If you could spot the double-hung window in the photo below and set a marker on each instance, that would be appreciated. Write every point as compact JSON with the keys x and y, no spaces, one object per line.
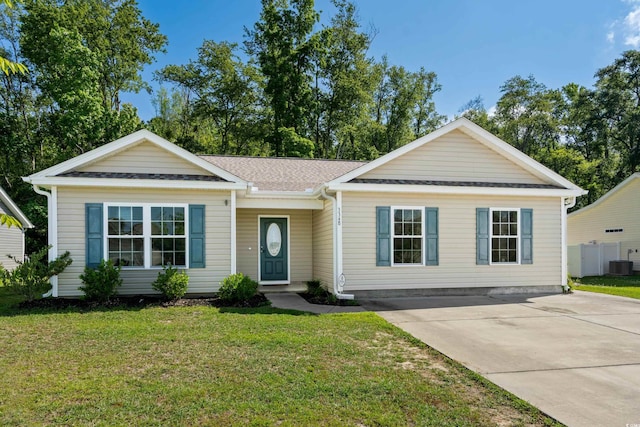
{"x":147,"y":235}
{"x":407,"y":235}
{"x":505,"y":236}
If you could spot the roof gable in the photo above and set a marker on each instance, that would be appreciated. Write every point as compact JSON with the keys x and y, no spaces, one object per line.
{"x":611,"y":197}
{"x":138,"y":146}
{"x":14,"y":210}
{"x":500,"y":151}
{"x":454,"y":156}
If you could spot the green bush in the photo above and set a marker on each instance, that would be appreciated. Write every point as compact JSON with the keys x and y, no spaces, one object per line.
{"x":30,"y":278}
{"x":315,"y":288}
{"x":171,"y":283}
{"x":102,"y":282}
{"x":237,"y":288}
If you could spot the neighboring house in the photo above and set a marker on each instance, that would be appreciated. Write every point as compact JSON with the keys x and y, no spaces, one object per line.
{"x":12,"y":238}
{"x":612,"y":223}
{"x":457,"y":210}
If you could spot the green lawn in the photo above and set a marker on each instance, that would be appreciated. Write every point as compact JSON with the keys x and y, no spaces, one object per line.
{"x":624,"y":286}
{"x":208,"y":366}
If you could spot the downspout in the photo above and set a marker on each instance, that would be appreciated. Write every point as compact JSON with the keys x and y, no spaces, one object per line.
{"x":567,"y":203}
{"x":52,"y":232}
{"x":338,"y":284}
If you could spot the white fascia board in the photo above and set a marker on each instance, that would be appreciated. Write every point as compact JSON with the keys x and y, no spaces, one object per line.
{"x":130,"y":140}
{"x":15,"y":210}
{"x":476,"y":132}
{"x":132,"y":183}
{"x":274,"y":203}
{"x":607,"y":195}
{"x":443,"y":189}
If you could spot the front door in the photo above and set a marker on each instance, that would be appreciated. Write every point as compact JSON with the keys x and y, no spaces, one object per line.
{"x":274,"y":253}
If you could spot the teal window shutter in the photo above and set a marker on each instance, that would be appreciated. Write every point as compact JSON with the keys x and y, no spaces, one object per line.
{"x":431,"y":235}
{"x":196,"y":236}
{"x":383,"y":236}
{"x":526,"y":236}
{"x":482,"y":236}
{"x":94,"y":231}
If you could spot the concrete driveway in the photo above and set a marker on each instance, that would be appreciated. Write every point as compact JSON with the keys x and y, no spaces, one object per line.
{"x":576,"y":357}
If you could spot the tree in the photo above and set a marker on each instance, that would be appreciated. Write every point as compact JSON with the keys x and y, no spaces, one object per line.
{"x":617,"y":96}
{"x":526,"y":114}
{"x":6,"y":65}
{"x":221,"y":94}
{"x":282,"y":43}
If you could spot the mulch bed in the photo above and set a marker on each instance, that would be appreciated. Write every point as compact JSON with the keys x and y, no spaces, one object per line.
{"x":140,"y":301}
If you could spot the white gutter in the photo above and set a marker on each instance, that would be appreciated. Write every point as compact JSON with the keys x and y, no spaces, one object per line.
{"x":338,"y":284}
{"x":567,"y":203}
{"x":52,"y":214}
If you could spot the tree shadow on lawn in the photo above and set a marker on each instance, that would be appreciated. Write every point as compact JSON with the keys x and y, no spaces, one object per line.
{"x":12,"y":306}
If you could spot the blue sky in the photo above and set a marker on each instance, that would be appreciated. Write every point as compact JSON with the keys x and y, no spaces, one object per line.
{"x":473,"y":46}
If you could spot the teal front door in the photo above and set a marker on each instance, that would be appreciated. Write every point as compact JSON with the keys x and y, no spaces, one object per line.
{"x":274,"y":253}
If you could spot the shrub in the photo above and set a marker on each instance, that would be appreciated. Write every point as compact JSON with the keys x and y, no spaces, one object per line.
{"x":30,"y":278}
{"x":102,"y":282}
{"x":315,"y":288}
{"x":237,"y":288}
{"x":171,"y":283}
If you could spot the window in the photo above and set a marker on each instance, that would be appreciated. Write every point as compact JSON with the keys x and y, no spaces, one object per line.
{"x":168,"y":241}
{"x":146,"y":236}
{"x":504,"y":236}
{"x":125,"y":235}
{"x":407,"y":236}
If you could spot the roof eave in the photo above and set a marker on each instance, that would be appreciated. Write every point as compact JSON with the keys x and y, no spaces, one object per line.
{"x":445,"y":189}
{"x":48,"y":182}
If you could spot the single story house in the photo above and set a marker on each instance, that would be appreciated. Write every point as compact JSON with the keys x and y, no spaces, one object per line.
{"x":12,"y":238}
{"x":456,"y":211}
{"x":612,"y":221}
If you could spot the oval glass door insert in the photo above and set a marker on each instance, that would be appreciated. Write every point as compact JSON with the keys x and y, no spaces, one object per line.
{"x":274,"y":239}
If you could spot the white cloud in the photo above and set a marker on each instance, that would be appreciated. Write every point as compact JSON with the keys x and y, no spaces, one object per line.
{"x":611,"y":37}
{"x":492,"y":110}
{"x":631,"y":27}
{"x":627,"y":28}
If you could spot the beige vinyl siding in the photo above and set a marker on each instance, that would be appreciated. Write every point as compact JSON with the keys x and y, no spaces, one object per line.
{"x":454,"y":156}
{"x":323,"y":244}
{"x":620,"y":210}
{"x":457,"y":244}
{"x":144,"y":158}
{"x":71,"y":235}
{"x":300,"y":238}
{"x":11,"y":242}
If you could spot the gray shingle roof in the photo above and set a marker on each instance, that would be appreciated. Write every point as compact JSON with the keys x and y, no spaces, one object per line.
{"x":283,"y":174}
{"x":127,"y":175}
{"x":453,"y":183}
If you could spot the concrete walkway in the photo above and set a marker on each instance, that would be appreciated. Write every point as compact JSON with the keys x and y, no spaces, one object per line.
{"x":293,"y":301}
{"x":576,"y":357}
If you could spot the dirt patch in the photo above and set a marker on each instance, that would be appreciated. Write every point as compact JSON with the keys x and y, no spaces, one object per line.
{"x":140,"y":301}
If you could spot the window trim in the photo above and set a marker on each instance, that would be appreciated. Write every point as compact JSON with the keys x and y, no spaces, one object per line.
{"x":518,"y":237}
{"x":392,"y":235}
{"x":146,"y":232}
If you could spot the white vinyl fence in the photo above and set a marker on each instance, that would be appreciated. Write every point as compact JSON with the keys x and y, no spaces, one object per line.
{"x":592,"y":259}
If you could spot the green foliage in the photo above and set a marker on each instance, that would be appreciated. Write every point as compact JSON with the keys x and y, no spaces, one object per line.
{"x":171,"y":283}
{"x":237,"y":288}
{"x":30,"y":278}
{"x":314,"y":287}
{"x":9,"y":221}
{"x":102,"y":282}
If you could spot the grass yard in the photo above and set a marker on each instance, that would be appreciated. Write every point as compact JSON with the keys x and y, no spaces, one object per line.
{"x":209,"y":366}
{"x":624,"y":286}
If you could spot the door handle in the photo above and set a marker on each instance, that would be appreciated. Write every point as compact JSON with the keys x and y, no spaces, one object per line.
{"x":261,"y":249}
